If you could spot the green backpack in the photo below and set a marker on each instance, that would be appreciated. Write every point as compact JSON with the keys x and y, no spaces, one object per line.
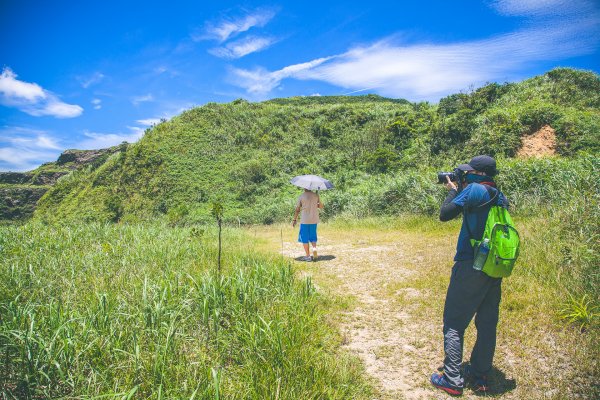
{"x":503,"y":240}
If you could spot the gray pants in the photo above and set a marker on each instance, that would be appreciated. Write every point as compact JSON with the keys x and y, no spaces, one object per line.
{"x":470,"y":293}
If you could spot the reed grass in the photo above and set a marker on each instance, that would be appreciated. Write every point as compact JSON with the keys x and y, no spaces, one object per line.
{"x":117,"y":311}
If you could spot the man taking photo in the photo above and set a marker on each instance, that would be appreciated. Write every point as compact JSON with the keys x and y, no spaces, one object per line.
{"x":471,"y":292}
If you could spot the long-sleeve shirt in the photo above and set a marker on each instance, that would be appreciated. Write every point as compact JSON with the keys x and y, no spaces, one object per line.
{"x":474,"y":203}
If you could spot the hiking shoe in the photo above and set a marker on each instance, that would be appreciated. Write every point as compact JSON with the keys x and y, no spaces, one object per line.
{"x":476,"y":383}
{"x":314,"y":254}
{"x":438,"y":379}
{"x":306,"y":258}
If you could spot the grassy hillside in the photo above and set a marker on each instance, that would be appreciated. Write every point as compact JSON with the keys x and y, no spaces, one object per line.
{"x":245,"y":153}
{"x":382,"y":154}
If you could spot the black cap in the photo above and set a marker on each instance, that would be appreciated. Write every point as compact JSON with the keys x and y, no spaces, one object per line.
{"x":485,"y":164}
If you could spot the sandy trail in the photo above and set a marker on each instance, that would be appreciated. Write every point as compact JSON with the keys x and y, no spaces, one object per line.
{"x":385,"y":327}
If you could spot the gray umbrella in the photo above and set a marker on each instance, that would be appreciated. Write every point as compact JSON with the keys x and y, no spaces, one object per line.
{"x":311,"y":182}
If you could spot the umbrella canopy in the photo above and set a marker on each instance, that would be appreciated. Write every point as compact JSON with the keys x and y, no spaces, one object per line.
{"x":311,"y":182}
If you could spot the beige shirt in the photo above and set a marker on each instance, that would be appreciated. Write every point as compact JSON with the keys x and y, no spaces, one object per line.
{"x":308,"y":203}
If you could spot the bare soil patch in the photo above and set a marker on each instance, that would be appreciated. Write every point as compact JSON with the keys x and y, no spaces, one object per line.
{"x":538,"y":144}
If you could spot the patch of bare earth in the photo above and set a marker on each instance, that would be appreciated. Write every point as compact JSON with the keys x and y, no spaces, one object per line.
{"x":385,"y":334}
{"x":538,"y":144}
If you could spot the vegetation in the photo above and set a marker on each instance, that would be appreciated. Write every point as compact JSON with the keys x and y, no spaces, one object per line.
{"x":120,"y":311}
{"x":20,"y":191}
{"x":579,"y":311}
{"x":18,"y":201}
{"x":245,"y":153}
{"x":88,"y":307}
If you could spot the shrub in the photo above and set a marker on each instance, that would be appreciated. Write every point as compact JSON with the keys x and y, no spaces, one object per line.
{"x":578,"y":131}
{"x":381,"y":161}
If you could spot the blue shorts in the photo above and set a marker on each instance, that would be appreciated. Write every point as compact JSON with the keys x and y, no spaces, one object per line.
{"x":308,"y":233}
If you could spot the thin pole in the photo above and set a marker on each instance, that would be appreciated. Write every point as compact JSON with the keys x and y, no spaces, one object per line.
{"x":219,"y":257}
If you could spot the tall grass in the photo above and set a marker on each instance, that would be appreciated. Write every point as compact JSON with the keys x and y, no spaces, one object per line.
{"x":116,"y":311}
{"x":531,"y":184}
{"x":561,"y":194}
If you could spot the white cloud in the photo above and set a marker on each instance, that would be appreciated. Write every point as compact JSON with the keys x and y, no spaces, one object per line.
{"x":97,"y":104}
{"x":39,"y":142}
{"x":93,"y":79}
{"x":164,"y":70}
{"x":243,"y":47}
{"x":226,"y":28}
{"x":56,"y":108}
{"x":431,"y":71}
{"x":260,"y":81}
{"x":142,"y":99}
{"x":136,"y":131}
{"x":24,"y":149}
{"x":17,"y":90}
{"x":95,"y":140}
{"x":32,"y":98}
{"x":149,"y":121}
{"x":18,"y":160}
{"x":358,"y":91}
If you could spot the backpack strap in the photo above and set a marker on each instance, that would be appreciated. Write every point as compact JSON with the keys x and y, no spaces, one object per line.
{"x":492,"y":198}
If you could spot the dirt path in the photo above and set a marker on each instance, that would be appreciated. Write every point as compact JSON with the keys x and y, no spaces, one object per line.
{"x":396,"y":281}
{"x":388,"y":326}
{"x":381,"y":331}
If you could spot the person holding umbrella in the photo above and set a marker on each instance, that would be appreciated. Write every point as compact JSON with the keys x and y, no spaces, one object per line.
{"x":309,"y":203}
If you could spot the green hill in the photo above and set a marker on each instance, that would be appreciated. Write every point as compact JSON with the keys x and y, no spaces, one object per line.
{"x":245,"y":153}
{"x":128,"y":309}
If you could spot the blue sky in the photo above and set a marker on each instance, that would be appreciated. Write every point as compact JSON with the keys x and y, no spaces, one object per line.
{"x":91,"y":74}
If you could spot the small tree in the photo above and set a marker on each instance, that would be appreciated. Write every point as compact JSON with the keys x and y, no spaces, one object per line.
{"x":217,"y":212}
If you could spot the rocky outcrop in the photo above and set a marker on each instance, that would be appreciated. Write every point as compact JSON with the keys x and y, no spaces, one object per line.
{"x":73,"y":159}
{"x":20,"y":191}
{"x":47,"y":177}
{"x":42,"y":178}
{"x":15,"y":178}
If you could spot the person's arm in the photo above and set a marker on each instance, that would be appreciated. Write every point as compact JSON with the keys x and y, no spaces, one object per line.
{"x":449,"y":209}
{"x":296,"y":212}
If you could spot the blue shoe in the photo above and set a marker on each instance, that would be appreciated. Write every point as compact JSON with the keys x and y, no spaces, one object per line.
{"x":438,"y":379}
{"x":477,"y":383}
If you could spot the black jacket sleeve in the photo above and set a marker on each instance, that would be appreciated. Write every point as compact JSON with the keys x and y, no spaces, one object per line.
{"x":449,"y":210}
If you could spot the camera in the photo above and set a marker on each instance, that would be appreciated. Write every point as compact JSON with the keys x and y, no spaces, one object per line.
{"x":442,"y":177}
{"x":455,"y":176}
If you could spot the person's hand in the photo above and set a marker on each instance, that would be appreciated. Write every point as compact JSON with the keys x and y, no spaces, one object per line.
{"x":293,"y":223}
{"x":449,"y":184}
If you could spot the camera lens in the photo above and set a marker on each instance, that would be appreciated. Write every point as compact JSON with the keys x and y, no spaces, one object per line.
{"x":442,"y":176}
